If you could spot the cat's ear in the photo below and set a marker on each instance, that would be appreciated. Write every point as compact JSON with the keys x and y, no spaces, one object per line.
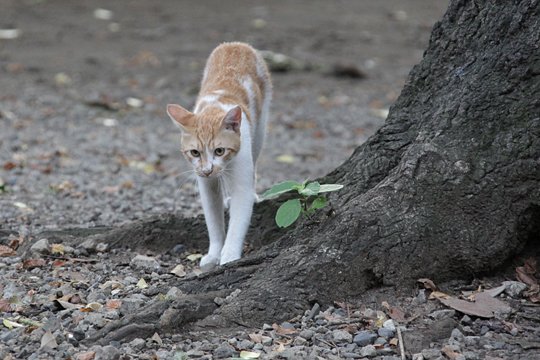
{"x":180,"y":116}
{"x":232,"y":120}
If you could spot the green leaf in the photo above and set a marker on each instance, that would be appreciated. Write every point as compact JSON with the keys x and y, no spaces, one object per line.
{"x":329,"y":187}
{"x":317,"y":204}
{"x":310,"y":189}
{"x":288,"y":212}
{"x":280,"y":188}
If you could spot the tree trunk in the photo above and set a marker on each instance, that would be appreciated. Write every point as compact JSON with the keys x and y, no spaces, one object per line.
{"x":449,"y":187}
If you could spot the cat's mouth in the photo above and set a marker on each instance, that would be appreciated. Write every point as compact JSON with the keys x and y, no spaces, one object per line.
{"x":209,"y":173}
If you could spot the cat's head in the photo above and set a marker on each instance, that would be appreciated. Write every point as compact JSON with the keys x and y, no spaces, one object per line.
{"x":210,"y":139}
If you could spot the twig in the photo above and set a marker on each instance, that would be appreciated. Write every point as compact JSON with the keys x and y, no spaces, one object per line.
{"x":401,"y":345}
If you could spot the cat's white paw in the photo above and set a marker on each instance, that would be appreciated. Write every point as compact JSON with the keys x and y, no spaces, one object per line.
{"x":227,"y":257}
{"x":227,"y":202}
{"x":208,"y":262}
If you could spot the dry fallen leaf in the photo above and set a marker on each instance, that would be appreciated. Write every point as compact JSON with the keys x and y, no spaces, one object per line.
{"x":286,"y":159}
{"x":438,"y":295}
{"x":394,"y":312}
{"x":113,"y":284}
{"x":256,"y":338}
{"x":280,"y":330}
{"x":450,"y":353}
{"x":11,"y":324}
{"x":95,"y":306}
{"x":6,"y":251}
{"x":179,"y":270}
{"x":30,"y":264}
{"x":157,"y":339}
{"x":5,"y":305}
{"x":194,"y":257}
{"x":428,"y":284}
{"x":48,"y":340}
{"x":526,"y":273}
{"x":57,"y":249}
{"x":484,"y":305}
{"x":113,"y":304}
{"x":66,"y":305}
{"x":88,"y":355}
{"x":142,"y":284}
{"x":249,"y":354}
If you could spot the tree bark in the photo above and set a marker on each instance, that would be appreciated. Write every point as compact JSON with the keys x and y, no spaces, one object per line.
{"x":448,"y":188}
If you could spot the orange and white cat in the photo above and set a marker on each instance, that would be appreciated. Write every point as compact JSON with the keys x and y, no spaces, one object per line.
{"x":222,"y":138}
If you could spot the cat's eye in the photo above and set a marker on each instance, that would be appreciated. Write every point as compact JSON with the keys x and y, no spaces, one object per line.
{"x":219,"y":151}
{"x":195,"y":153}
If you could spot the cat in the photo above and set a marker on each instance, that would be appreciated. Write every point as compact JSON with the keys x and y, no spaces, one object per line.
{"x":222,"y":138}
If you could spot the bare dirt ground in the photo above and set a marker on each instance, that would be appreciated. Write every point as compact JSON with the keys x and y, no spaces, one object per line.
{"x":85,"y":142}
{"x":77,"y":153}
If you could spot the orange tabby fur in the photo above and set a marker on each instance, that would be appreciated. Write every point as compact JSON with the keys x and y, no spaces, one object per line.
{"x":222,"y":83}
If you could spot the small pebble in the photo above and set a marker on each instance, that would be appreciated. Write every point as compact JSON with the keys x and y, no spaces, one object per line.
{"x":364,"y":337}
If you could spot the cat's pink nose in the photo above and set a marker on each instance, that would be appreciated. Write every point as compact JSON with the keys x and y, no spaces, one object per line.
{"x":207,"y":172}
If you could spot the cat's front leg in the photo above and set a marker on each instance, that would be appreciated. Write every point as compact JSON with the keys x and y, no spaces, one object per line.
{"x":241,"y":207}
{"x":212,"y":202}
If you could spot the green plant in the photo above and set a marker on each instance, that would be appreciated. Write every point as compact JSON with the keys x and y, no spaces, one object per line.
{"x":308,"y":201}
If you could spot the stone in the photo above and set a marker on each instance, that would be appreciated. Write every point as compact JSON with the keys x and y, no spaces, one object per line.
{"x":266,"y":340}
{"x":89,"y":245}
{"x":389,"y":324}
{"x":368,"y":351}
{"x":195,"y":353}
{"x":40,"y":247}
{"x":106,"y":352}
{"x":386,"y":333}
{"x":431,"y":354}
{"x":457,"y":335}
{"x":174,"y":293}
{"x":314,"y":311}
{"x":137,"y":344}
{"x":380,"y":341}
{"x":484,"y":330}
{"x":146,"y":263}
{"x":224,"y":351}
{"x":96,"y":319}
{"x":102,"y":247}
{"x":307,"y":334}
{"x":341,"y":336}
{"x":245,"y":345}
{"x":442,"y":314}
{"x":420,"y":298}
{"x":364,"y":338}
{"x":471,"y":340}
{"x":471,"y":355}
{"x":287,"y":325}
{"x":132,"y":303}
{"x":12,"y":290}
{"x":514,"y":289}
{"x":466,"y":320}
